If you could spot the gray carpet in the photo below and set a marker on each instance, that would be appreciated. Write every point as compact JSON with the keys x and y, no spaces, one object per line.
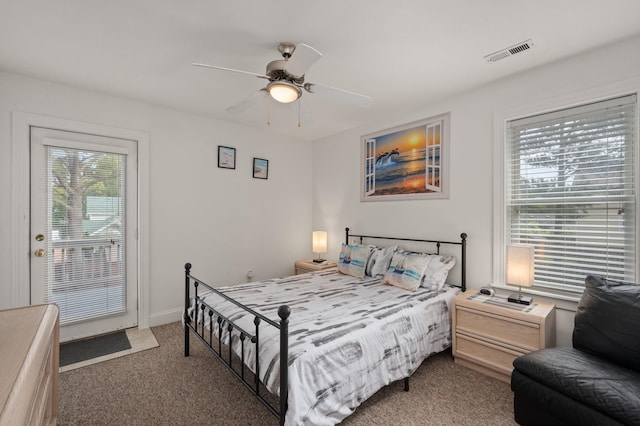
{"x":162,"y":387}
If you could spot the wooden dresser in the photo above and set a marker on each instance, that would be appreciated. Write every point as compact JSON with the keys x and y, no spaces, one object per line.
{"x":29,"y":350}
{"x":489,"y":333}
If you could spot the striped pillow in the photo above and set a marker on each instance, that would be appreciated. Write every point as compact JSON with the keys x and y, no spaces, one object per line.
{"x":380,"y":260}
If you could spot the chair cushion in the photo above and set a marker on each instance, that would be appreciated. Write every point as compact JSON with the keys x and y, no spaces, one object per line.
{"x":607,"y":321}
{"x":596,"y":383}
{"x":535,"y":404}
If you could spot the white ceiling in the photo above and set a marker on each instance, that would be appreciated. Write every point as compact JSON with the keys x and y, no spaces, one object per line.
{"x":403,"y":53}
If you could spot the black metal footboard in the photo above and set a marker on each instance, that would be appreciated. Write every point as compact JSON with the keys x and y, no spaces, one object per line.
{"x":213,"y":339}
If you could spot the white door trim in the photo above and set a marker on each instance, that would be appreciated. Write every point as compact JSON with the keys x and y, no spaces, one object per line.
{"x":20,"y":141}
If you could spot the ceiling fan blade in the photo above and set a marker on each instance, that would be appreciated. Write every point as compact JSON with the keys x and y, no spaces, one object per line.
{"x":229,"y":69}
{"x":247,"y":102}
{"x":302,"y":59}
{"x":341,"y":95}
{"x":305,"y":118}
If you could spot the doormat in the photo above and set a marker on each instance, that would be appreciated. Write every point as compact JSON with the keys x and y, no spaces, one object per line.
{"x":82,"y":350}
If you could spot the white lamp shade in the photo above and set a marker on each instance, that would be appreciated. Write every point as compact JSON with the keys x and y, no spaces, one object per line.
{"x":319,"y":241}
{"x":520,"y":269}
{"x":283,"y":91}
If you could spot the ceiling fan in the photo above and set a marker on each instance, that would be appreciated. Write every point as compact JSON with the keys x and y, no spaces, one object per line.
{"x":286,"y":79}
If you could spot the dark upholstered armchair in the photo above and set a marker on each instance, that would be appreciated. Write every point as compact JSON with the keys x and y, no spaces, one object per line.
{"x":597,"y":381}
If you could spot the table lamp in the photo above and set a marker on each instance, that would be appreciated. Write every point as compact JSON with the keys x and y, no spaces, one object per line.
{"x":520,"y":270}
{"x":319,"y":244}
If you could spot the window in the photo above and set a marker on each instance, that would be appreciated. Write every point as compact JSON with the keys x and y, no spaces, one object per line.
{"x":370,"y":167}
{"x":434,"y":145}
{"x":570,"y":192}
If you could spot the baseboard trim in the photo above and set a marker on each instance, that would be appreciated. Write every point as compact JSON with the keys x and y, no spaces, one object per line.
{"x":166,"y":317}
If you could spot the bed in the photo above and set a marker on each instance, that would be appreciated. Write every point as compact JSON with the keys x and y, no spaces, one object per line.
{"x":343,"y":337}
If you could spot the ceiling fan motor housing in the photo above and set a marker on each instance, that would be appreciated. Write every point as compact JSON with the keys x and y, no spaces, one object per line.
{"x":286,"y":49}
{"x":275,"y":71}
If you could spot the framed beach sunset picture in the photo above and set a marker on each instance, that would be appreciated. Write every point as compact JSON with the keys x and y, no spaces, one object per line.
{"x":407,"y":162}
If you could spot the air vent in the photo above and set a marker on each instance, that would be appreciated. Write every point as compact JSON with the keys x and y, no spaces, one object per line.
{"x":510,"y":51}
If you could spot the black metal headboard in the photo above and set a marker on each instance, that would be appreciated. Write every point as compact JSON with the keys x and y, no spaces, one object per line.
{"x":462,"y":243}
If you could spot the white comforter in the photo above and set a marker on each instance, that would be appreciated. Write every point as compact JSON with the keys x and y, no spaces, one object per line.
{"x":348,"y":337}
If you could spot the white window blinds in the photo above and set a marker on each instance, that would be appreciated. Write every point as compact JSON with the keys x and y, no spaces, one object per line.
{"x":571,"y":192}
{"x":85,"y":259}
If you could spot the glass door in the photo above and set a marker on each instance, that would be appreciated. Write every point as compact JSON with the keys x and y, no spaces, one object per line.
{"x":83,"y":215}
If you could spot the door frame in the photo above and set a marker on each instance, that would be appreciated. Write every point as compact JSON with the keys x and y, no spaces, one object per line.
{"x":20,"y":201}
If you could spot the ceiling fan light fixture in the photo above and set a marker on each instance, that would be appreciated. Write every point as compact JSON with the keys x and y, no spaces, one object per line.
{"x":283,"y":91}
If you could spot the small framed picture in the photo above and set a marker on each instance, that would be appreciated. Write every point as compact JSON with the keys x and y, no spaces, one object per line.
{"x":226,"y":157}
{"x":260,"y":168}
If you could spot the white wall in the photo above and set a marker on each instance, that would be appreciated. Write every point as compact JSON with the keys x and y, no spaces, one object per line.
{"x":222,"y":221}
{"x":225,"y":223}
{"x":336,"y":194}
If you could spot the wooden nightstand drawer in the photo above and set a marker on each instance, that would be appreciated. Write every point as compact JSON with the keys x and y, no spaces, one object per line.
{"x":518,"y":333}
{"x":498,"y":357}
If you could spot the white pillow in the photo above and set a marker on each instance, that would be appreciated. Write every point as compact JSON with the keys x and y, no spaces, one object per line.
{"x":353,"y":259}
{"x":380,"y":260}
{"x":436,"y":272}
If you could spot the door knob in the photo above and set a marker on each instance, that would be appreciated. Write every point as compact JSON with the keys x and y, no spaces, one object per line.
{"x":39,"y":252}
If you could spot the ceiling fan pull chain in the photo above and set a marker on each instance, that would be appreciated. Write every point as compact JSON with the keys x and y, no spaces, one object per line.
{"x":299,"y":102}
{"x":268,"y":114}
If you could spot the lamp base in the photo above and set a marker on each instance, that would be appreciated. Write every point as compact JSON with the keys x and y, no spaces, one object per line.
{"x":523,"y":300}
{"x":318,"y":260}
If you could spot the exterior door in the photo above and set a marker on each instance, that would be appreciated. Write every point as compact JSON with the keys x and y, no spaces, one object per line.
{"x":83,"y":230}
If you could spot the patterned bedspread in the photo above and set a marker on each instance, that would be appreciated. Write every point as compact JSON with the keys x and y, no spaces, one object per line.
{"x":348,"y":337}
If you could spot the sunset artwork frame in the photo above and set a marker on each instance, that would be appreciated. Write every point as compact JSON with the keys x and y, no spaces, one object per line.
{"x":407,"y":162}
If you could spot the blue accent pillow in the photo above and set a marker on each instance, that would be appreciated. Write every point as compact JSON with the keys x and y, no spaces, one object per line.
{"x":353,"y":259}
{"x":407,"y":270}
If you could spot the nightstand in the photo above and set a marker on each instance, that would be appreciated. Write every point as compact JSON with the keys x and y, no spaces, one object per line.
{"x":489,"y":332}
{"x":304,"y":266}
